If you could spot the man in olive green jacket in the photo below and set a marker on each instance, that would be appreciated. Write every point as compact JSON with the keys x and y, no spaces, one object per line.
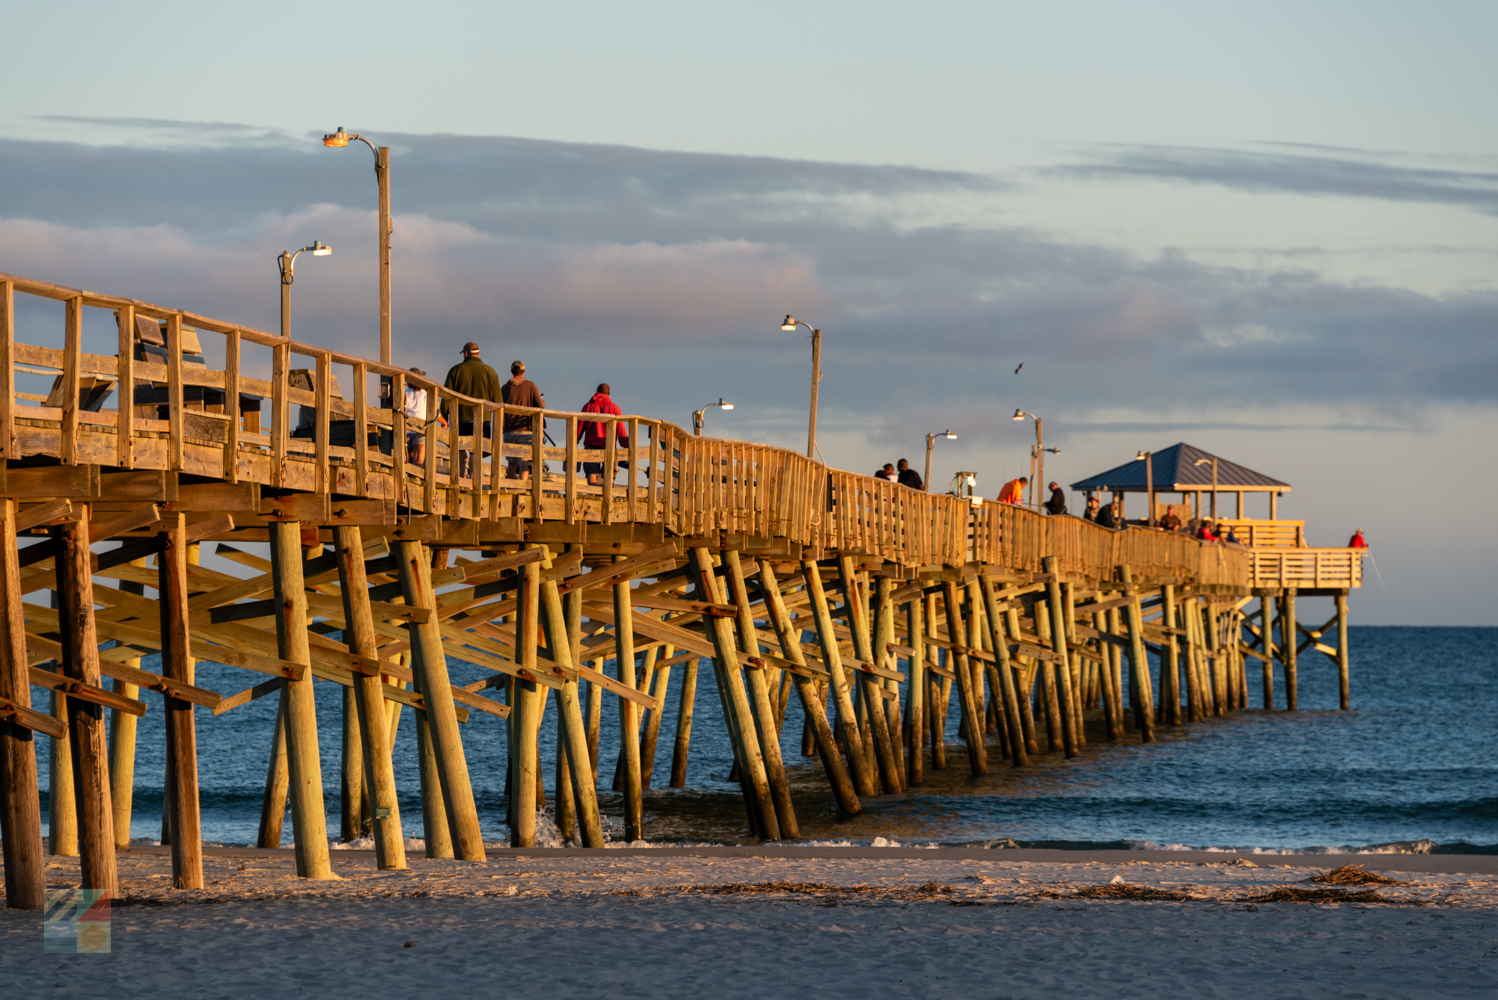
{"x":474,"y":379}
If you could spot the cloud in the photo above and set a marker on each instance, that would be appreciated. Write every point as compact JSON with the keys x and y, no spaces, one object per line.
{"x":669,"y":271}
{"x":1365,"y":175}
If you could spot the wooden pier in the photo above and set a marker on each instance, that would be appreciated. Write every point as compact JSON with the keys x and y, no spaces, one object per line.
{"x":874,"y":603}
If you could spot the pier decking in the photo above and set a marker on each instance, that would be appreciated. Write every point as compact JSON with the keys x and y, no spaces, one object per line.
{"x":781,"y":573}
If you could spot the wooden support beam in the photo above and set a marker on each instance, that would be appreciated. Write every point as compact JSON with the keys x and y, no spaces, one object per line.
{"x":857,"y":606}
{"x":1344,"y":663}
{"x":1139,"y":667}
{"x":864,"y":778}
{"x":1289,"y":649}
{"x":86,"y":736}
{"x":429,"y":662}
{"x":572,"y":730}
{"x":20,"y":800}
{"x":1008,"y":689}
{"x":374,"y":745}
{"x":298,"y":709}
{"x":1070,"y":704}
{"x":624,"y":660}
{"x":977,"y":752}
{"x":181,"y":736}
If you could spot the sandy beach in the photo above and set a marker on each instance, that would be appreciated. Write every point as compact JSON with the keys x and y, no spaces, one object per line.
{"x":834,"y":922}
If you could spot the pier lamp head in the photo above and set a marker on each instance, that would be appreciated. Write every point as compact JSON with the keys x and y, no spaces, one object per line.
{"x":318,"y":249}
{"x":1141,"y":456}
{"x":789,"y":323}
{"x":1019,"y":414}
{"x":949,"y":435}
{"x":726,"y":405}
{"x":337,"y":139}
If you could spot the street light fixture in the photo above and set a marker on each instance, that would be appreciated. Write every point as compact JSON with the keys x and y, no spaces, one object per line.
{"x":1037,"y":455}
{"x":287,"y":263}
{"x":789,"y":325}
{"x":338,"y":140}
{"x":930,"y":444}
{"x":1148,"y":458}
{"x":1213,"y":460}
{"x":698,"y":414}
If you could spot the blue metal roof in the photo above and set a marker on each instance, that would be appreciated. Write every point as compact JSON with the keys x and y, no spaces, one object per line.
{"x":1175,"y":469}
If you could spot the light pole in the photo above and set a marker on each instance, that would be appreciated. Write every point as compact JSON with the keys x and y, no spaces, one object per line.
{"x":789,"y":324}
{"x":382,"y":179}
{"x":1148,"y":458}
{"x":287,"y":262}
{"x":930,"y":444}
{"x":1038,"y":454}
{"x":1213,"y":460}
{"x":698,"y":414}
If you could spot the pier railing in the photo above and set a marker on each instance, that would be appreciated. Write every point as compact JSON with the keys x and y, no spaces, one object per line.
{"x":173,"y":412}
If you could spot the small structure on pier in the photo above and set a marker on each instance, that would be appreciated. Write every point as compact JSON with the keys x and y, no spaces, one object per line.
{"x":1191,"y":472}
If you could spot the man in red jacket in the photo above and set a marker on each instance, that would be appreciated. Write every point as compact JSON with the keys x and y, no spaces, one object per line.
{"x":593,"y":433}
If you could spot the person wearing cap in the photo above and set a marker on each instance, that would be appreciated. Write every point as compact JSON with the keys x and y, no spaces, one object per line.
{"x":520,"y":391}
{"x":474,"y":379}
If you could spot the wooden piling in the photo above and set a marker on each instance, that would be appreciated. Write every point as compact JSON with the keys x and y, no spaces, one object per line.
{"x":1139,"y":664}
{"x":1292,"y":648}
{"x":20,"y":797}
{"x":1071,"y":714}
{"x":571,"y":729}
{"x":629,"y":712}
{"x":1344,"y":690}
{"x":1170,"y":660}
{"x":369,"y":703}
{"x":759,"y":701}
{"x":1267,"y":646}
{"x":1049,"y":688}
{"x":181,"y":734}
{"x":686,"y":702}
{"x":915,"y":631}
{"x":429,"y":662}
{"x":62,"y":807}
{"x":977,"y":751}
{"x":86,"y":736}
{"x":525,"y":713}
{"x":277,"y":777}
{"x":873,"y":701}
{"x":845,"y":719}
{"x":308,"y":819}
{"x":1008,"y":691}
{"x":122,"y":733}
{"x":736,"y":702}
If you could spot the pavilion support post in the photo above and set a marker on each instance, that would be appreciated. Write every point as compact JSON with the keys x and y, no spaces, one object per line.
{"x":20,"y":797}
{"x":308,"y":819}
{"x":1008,"y":690}
{"x":629,"y":712}
{"x":378,"y":768}
{"x":1292,"y":647}
{"x":759,"y":702}
{"x":86,"y":736}
{"x":1344,"y":658}
{"x":864,"y":779}
{"x":977,"y":750}
{"x":181,"y":737}
{"x":429,"y":663}
{"x":915,"y":705}
{"x":1139,"y":664}
{"x":736,"y":703}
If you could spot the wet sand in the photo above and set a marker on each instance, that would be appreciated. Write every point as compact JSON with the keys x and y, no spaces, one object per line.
{"x":765,"y":921}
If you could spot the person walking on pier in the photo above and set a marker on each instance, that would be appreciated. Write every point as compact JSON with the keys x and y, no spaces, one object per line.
{"x":1014,"y":490}
{"x":477,"y":380}
{"x":593,"y":433}
{"x":910,"y":477}
{"x":1056,"y":505}
{"x":520,"y":391}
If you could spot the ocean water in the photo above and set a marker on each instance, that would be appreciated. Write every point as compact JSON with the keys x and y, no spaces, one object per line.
{"x":1413,"y":767}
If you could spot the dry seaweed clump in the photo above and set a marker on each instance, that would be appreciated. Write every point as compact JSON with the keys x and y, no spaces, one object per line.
{"x":1118,"y":890}
{"x":1354,"y":875}
{"x":822,"y":890}
{"x":1294,"y":894}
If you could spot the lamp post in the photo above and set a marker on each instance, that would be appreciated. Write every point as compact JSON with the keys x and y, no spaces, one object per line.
{"x":1148,"y":458}
{"x":930,"y":444}
{"x":287,"y":262}
{"x":1037,"y":455}
{"x":1213,"y":460}
{"x":698,"y":414}
{"x":382,"y":179}
{"x":789,"y":324}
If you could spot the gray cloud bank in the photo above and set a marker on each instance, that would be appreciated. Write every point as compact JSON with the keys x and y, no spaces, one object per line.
{"x":670,"y":271}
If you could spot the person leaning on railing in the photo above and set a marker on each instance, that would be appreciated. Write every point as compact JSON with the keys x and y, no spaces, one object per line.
{"x":521,"y":391}
{"x":417,"y":413}
{"x":594,"y":433}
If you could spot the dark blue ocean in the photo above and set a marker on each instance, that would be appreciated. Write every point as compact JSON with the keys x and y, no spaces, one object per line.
{"x":1413,"y":767}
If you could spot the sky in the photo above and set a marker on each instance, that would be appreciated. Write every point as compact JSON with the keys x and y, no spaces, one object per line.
{"x":1268,"y":230}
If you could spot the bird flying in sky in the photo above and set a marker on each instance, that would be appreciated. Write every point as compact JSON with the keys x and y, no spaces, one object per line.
{"x":1021,"y":365}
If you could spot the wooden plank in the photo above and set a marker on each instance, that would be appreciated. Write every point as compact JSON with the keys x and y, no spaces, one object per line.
{"x":45,"y":513}
{"x":618,"y":572}
{"x":279,"y":414}
{"x":200,"y":530}
{"x":324,"y":389}
{"x":35,"y":721}
{"x":135,"y":520}
{"x":231,"y":407}
{"x":52,"y":481}
{"x":175,"y":415}
{"x":361,"y":430}
{"x":72,"y":355}
{"x":248,"y":695}
{"x":124,"y":420}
